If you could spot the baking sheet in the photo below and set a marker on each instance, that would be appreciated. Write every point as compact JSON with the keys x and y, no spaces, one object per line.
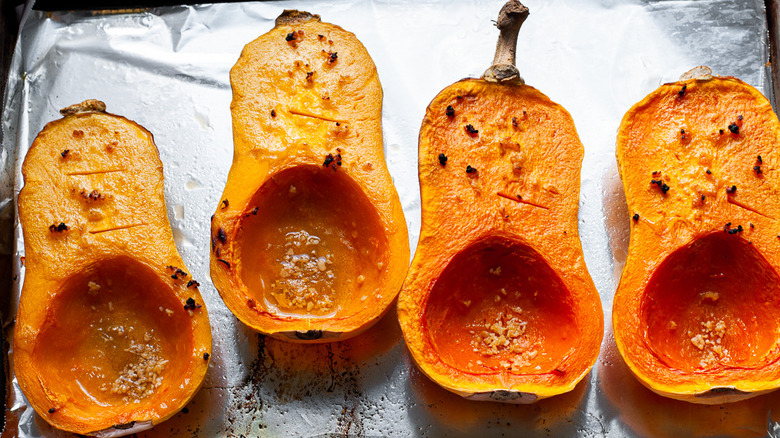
{"x":167,"y":69}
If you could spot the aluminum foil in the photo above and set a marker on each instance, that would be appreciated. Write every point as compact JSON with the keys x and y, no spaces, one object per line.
{"x":167,"y":69}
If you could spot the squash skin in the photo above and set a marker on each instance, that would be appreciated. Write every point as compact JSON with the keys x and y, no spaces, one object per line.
{"x":687,"y":227}
{"x":121,"y":233}
{"x":471,"y":213}
{"x":303,"y":92}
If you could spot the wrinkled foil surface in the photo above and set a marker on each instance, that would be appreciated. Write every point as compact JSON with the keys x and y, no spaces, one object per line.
{"x":167,"y":69}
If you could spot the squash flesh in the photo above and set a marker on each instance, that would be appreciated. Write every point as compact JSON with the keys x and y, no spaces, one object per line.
{"x":306,"y":96}
{"x":703,"y":138}
{"x":92,"y":210}
{"x":522,"y":199}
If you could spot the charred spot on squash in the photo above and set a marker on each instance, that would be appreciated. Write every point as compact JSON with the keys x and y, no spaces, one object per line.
{"x":92,"y":196}
{"x":293,"y":37}
{"x":713,"y":304}
{"x":309,"y":335}
{"x":661,"y":185}
{"x":58,"y":228}
{"x":504,"y":396}
{"x":499,"y":307}
{"x":178,"y":273}
{"x":316,"y":244}
{"x":125,"y":426}
{"x":105,"y":340}
{"x":190,"y":304}
{"x":720,"y":392}
{"x":333,"y":160}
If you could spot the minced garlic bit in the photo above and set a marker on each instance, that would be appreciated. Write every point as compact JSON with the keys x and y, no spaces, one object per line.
{"x":93,"y":288}
{"x":711,"y":296}
{"x":306,"y":279}
{"x":495,"y":271}
{"x":141,"y":378}
{"x":709,"y":341}
{"x":119,"y":329}
{"x":506,"y":334}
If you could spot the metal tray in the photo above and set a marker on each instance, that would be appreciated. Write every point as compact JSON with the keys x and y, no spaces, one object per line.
{"x":167,"y":69}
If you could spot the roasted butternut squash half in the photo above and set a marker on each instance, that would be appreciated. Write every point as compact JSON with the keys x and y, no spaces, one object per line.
{"x":498,"y":303}
{"x":309,"y":241}
{"x":696,"y":315}
{"x":111,"y":336}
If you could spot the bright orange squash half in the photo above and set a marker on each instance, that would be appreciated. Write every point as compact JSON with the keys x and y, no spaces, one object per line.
{"x":498,"y":303}
{"x":309,"y":241}
{"x":696,"y":315}
{"x":112,"y":336}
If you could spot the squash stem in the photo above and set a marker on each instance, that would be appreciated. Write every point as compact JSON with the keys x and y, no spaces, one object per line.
{"x":88,"y":106}
{"x":511,"y":17}
{"x":292,"y":17}
{"x":701,"y":72}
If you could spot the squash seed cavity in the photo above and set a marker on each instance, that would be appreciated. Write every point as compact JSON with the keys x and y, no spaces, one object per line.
{"x":505,"y":335}
{"x":306,"y":279}
{"x":709,"y":341}
{"x":139,"y":379}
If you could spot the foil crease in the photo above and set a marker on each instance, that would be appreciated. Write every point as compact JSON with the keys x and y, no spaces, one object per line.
{"x":167,"y":69}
